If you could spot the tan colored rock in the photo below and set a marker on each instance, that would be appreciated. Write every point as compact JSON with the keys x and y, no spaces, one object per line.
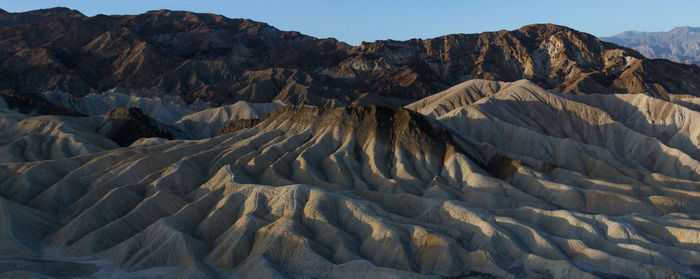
{"x":523,"y":183}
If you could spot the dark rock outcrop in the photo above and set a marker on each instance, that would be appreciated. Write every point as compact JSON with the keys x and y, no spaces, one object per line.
{"x":224,"y":60}
{"x":237,"y":126}
{"x":29,"y":104}
{"x":126,"y":125}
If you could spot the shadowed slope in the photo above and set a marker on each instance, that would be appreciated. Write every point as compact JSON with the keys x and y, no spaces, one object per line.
{"x":376,"y":192}
{"x":25,"y":138}
{"x":184,"y":121}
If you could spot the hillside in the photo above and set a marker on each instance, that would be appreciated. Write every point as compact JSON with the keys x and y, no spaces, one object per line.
{"x":182,"y":145}
{"x":220,"y":60}
{"x":522,"y":183}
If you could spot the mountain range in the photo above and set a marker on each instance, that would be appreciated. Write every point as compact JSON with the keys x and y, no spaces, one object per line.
{"x":680,"y":44}
{"x":176,"y":144}
{"x":219,"y":60}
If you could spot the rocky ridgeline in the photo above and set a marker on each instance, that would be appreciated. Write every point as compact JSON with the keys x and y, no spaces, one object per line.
{"x":220,"y":60}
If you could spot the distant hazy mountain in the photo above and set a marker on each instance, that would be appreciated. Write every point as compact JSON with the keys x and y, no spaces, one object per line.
{"x":681,"y":44}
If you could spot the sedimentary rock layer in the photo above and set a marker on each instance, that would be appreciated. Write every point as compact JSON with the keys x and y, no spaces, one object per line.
{"x":219,"y":60}
{"x":523,"y":182}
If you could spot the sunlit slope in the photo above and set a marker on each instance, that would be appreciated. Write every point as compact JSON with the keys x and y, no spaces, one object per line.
{"x":522,"y":183}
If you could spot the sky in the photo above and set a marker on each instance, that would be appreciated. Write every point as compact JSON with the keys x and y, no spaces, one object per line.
{"x":363,"y":20}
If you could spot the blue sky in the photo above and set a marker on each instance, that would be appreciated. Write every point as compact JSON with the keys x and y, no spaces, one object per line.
{"x":361,"y":20}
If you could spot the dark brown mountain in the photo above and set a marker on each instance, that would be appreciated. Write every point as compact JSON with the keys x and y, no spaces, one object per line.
{"x":10,"y":19}
{"x":224,"y":60}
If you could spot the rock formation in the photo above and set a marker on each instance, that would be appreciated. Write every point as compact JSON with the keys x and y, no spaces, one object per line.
{"x":523,"y":182}
{"x":183,"y":121}
{"x":220,"y":60}
{"x":26,"y":138}
{"x":127,"y":125}
{"x":175,"y":144}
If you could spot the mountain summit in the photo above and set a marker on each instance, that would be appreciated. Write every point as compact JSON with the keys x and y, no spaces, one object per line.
{"x":221,"y":60}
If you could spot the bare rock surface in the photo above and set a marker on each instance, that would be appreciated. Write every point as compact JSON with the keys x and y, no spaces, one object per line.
{"x":522,"y":183}
{"x":26,"y":138}
{"x":456,"y":96}
{"x":196,"y":120}
{"x":222,"y":61}
{"x":208,"y":122}
{"x":127,"y":125}
{"x":545,"y":153}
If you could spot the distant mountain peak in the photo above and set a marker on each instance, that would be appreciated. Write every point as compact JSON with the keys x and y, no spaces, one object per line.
{"x":685,"y":29}
{"x":680,"y":44}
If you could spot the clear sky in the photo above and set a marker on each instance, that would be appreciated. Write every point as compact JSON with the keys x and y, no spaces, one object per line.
{"x":354,"y":21}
